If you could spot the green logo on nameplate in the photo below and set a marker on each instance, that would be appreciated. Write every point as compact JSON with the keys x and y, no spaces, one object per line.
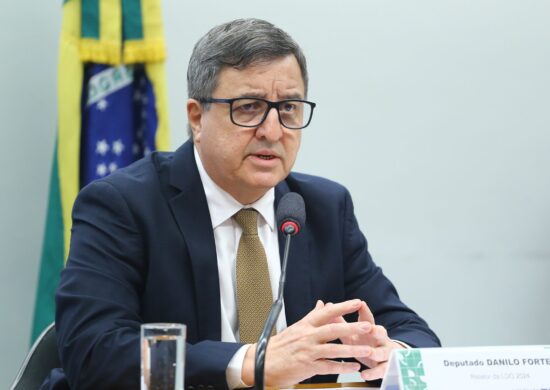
{"x":412,"y":370}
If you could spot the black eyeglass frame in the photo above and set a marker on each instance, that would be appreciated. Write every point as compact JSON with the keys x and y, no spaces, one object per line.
{"x":270,"y":105}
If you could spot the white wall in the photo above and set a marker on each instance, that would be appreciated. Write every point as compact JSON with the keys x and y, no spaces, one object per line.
{"x":28,"y":72}
{"x":434,"y":114}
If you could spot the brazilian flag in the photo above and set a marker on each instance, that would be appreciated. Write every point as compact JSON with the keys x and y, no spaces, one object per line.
{"x":112,"y":110}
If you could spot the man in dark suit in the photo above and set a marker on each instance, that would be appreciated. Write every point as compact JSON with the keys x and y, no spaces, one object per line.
{"x":160,"y":241}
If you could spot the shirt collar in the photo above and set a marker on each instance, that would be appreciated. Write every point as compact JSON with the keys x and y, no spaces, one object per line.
{"x":223,"y":206}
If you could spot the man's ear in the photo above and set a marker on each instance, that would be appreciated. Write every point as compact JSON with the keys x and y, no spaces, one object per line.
{"x":194,"y":115}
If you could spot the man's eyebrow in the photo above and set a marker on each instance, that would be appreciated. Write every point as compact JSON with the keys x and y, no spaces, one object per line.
{"x":295,"y":95}
{"x":252,"y":95}
{"x":257,"y":95}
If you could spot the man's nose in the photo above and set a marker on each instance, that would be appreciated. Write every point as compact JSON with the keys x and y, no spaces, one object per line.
{"x":271,"y":129}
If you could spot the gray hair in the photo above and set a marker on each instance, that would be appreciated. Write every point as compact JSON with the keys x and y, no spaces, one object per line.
{"x":238,"y":44}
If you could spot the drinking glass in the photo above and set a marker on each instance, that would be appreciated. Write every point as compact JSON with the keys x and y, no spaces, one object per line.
{"x":162,"y":356}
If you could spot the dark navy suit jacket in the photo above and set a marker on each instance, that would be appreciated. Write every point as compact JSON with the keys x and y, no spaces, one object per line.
{"x":142,"y":250}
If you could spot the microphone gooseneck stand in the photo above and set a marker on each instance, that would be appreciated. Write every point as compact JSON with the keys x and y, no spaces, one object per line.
{"x":261,"y":347}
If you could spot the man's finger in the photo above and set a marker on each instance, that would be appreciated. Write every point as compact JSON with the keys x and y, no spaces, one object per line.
{"x":380,"y":354}
{"x":326,"y":314}
{"x":375,"y":372}
{"x":380,"y":335}
{"x":327,"y":367}
{"x":345,"y":340}
{"x":365,"y":314}
{"x":341,"y":351}
{"x":333,"y":331}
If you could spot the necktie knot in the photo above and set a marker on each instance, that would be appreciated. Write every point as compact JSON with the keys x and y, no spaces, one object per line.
{"x":248,"y":221}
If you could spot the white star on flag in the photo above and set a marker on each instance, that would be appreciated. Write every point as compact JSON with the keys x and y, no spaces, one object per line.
{"x":102,"y":147}
{"x":101,"y":170}
{"x":147,"y":151}
{"x":136,"y":149}
{"x":102,"y":104}
{"x":112,"y":167}
{"x":118,"y":147}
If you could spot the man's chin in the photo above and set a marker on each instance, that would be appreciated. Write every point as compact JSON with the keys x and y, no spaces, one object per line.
{"x":251,"y":191}
{"x":266,"y":181}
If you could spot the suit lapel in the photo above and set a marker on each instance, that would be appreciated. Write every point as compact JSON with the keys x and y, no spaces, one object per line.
{"x":190,"y":210}
{"x":297,"y":294}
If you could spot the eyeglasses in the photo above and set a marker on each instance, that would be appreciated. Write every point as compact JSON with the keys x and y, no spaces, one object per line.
{"x":251,"y":112}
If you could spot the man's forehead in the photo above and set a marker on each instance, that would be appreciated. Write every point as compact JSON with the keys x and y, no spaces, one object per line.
{"x":260,"y":78}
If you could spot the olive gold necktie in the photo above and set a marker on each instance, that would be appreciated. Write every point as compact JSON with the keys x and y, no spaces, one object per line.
{"x":254,"y":296}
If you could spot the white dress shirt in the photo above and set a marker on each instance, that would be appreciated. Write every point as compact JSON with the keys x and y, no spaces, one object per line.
{"x":227,"y":234}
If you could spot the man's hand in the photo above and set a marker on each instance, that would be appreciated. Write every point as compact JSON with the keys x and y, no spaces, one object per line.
{"x":378,"y":340}
{"x":303,"y":349}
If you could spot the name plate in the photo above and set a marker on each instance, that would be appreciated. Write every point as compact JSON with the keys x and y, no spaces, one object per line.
{"x":483,"y":368}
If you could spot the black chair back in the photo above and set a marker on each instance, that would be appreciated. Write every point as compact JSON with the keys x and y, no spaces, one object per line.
{"x":41,"y":359}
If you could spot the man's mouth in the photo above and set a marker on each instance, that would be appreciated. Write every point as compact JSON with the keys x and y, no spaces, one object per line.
{"x":265,"y":156}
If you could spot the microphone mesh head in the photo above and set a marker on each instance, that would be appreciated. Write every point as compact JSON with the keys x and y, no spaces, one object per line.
{"x":291,"y":207}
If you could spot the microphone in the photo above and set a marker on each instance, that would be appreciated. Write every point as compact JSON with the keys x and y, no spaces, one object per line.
{"x":291,"y":217}
{"x":291,"y":213}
